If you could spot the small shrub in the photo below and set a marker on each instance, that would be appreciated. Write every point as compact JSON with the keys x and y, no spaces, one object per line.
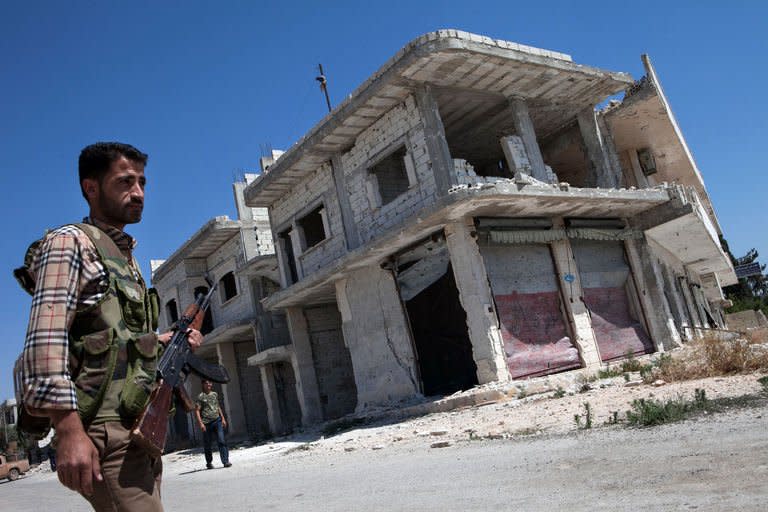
{"x":608,"y":373}
{"x":559,"y":392}
{"x":645,"y":413}
{"x":630,"y":364}
{"x":709,"y":356}
{"x":764,"y":382}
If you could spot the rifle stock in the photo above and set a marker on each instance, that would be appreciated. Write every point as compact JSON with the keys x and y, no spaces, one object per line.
{"x":151,"y":426}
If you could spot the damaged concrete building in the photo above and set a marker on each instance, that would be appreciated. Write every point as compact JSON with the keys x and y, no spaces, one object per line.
{"x":467,"y":215}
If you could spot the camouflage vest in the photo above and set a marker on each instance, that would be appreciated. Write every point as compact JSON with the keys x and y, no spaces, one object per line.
{"x":112,"y":345}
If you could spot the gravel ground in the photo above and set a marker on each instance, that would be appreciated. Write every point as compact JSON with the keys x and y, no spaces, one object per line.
{"x":525,"y":454}
{"x":508,"y":418}
{"x":529,"y":416}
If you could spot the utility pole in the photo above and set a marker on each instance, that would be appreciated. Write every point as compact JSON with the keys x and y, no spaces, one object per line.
{"x":323,"y":85}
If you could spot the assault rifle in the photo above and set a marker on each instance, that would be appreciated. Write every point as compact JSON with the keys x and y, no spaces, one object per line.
{"x":174,"y":365}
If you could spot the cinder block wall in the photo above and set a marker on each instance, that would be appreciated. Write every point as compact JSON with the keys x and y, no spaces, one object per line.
{"x":402,"y":124}
{"x":333,"y":366}
{"x":263,"y":232}
{"x":306,"y":196}
{"x":168,"y":288}
{"x":222,"y":261}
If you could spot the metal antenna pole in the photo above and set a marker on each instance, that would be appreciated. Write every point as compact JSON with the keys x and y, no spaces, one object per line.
{"x":323,"y":85}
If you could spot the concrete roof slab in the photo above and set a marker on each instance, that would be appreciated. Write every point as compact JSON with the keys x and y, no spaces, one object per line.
{"x":446,"y":57}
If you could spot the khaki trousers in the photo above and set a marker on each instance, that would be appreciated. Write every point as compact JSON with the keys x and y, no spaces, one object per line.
{"x":131,"y":477}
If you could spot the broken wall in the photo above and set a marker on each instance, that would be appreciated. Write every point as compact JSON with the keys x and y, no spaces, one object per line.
{"x":400,"y":126}
{"x":377,"y":334}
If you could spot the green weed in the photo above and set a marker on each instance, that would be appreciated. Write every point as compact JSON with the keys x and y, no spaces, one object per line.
{"x":648,"y":412}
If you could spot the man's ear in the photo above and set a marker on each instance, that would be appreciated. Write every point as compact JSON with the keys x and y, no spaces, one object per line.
{"x":90,"y":188}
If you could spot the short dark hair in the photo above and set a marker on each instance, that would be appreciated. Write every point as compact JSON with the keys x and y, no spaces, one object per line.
{"x":95,"y":159}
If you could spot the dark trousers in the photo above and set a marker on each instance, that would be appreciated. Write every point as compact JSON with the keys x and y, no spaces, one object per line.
{"x":214,"y":429}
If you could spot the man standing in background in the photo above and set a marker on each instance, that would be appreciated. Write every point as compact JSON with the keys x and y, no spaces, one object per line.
{"x":212,"y":423}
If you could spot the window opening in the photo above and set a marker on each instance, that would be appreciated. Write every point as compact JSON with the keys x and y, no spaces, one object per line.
{"x":172,"y":311}
{"x":208,"y":318}
{"x":228,"y":287}
{"x":312,"y":227}
{"x":391,"y":175}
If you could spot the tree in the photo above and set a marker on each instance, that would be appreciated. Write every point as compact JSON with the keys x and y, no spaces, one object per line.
{"x":750,"y":292}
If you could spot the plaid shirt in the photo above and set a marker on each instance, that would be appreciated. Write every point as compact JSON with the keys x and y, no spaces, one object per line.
{"x":69,"y":277}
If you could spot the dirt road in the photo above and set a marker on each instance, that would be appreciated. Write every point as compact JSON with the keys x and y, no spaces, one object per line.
{"x":494,"y":460}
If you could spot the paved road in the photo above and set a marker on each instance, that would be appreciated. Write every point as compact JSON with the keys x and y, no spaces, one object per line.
{"x":715,"y":463}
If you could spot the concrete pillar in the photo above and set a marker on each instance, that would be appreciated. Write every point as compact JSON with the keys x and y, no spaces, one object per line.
{"x":378,"y":337}
{"x":569,"y":281}
{"x":603,"y":173}
{"x":524,"y":129}
{"x":351,"y":235}
{"x":609,"y":149}
{"x":304,"y":367}
{"x":650,"y":284}
{"x":679,"y":302}
{"x":690,"y":303}
{"x":233,"y":401}
{"x":270,"y":397}
{"x":297,"y":250}
{"x":515,"y":155}
{"x":437,"y":145}
{"x":477,"y":300}
{"x":282,"y":264}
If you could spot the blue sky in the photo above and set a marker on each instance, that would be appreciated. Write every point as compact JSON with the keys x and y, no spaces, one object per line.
{"x":203,"y":86}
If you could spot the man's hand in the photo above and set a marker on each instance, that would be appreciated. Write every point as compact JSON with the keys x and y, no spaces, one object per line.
{"x":202,"y":427}
{"x":194,"y":338}
{"x":224,"y":422}
{"x":77,"y":458}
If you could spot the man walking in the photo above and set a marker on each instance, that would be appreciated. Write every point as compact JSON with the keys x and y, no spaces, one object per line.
{"x":213,"y":423}
{"x":91,"y":349}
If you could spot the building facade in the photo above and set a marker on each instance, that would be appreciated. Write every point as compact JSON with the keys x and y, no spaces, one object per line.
{"x":239,"y":256}
{"x":468,"y":215}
